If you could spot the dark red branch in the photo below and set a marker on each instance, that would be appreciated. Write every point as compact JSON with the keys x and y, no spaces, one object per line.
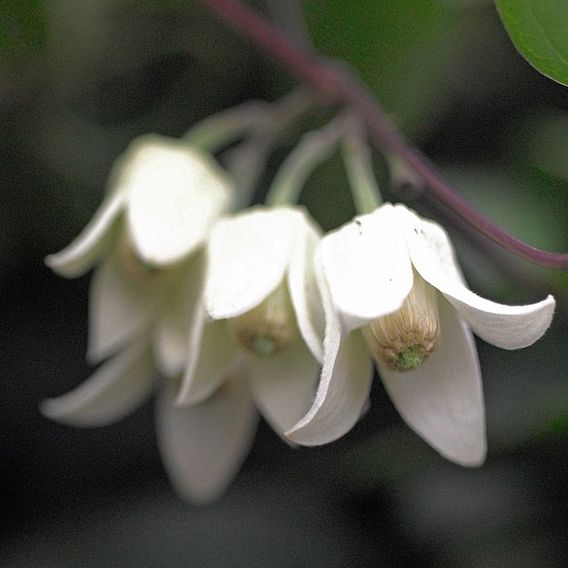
{"x":338,"y":85}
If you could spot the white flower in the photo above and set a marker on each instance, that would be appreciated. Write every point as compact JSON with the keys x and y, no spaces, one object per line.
{"x":264,"y":314}
{"x":163,"y":200}
{"x":202,"y":447}
{"x":394,"y":275}
{"x":149,"y":234}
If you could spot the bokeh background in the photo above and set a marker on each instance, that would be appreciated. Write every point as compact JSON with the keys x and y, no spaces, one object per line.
{"x":78,"y":80}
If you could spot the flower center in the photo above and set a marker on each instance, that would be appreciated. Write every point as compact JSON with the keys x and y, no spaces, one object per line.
{"x":136,"y":269}
{"x":404,"y":339}
{"x":269,"y":327}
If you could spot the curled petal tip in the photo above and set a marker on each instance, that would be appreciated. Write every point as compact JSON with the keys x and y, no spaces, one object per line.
{"x":60,"y":264}
{"x":48,"y":409}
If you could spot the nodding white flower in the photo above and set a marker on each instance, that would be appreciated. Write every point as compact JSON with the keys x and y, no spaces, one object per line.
{"x":148,"y":235}
{"x":392,"y":288}
{"x":262,"y":314}
{"x":202,"y":447}
{"x":163,"y":200}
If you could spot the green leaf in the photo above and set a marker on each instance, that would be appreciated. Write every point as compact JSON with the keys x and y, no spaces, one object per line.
{"x":539,"y":30}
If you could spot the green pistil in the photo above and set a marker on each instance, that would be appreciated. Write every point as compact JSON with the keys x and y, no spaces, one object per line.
{"x":410,"y":358}
{"x":263,"y":345}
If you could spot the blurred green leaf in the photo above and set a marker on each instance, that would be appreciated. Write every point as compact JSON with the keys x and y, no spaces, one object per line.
{"x":517,"y":203}
{"x":545,"y":142}
{"x":559,"y":425}
{"x":538,"y":28}
{"x":522,"y":203}
{"x":405,"y":50}
{"x":22,"y":27}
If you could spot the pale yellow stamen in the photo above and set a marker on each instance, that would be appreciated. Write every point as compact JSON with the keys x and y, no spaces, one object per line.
{"x":135,"y":268}
{"x":404,"y":339}
{"x":269,"y":327}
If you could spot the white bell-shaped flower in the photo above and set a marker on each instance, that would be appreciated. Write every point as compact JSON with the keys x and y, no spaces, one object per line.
{"x":202,"y":446}
{"x":261,"y":317}
{"x":163,"y":199}
{"x":394,"y":276}
{"x":148,"y":236}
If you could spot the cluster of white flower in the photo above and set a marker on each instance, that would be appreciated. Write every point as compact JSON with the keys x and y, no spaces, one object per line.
{"x":255,"y":310}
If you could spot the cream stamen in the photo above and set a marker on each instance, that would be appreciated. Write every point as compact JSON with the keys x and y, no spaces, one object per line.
{"x":269,"y":327}
{"x":404,"y":339}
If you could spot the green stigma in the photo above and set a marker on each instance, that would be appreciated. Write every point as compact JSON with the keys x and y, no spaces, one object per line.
{"x":269,"y":327}
{"x":263,"y":345}
{"x":411,"y":358}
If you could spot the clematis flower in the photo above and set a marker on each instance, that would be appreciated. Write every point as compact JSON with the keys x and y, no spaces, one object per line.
{"x":148,"y":234}
{"x":261,"y":315}
{"x":202,"y":447}
{"x":392,"y":288}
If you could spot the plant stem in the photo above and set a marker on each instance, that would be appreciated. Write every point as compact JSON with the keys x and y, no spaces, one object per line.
{"x":247,"y":161}
{"x":224,"y":127}
{"x":314,"y":147}
{"x":337,"y":84}
{"x":359,"y":165}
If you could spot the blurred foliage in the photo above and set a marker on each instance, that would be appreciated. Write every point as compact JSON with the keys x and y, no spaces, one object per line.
{"x":544,"y":139}
{"x":406,"y":51}
{"x":518,"y":203}
{"x":22,"y":28}
{"x":527,"y":206}
{"x":559,"y":424}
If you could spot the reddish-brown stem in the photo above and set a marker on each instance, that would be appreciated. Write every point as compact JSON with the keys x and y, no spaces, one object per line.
{"x":336,"y":84}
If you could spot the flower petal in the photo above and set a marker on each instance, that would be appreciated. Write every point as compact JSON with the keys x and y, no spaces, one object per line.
{"x":442,"y":400}
{"x":212,"y":359}
{"x":284,"y":385}
{"x":204,"y":446}
{"x":175,"y":194}
{"x":94,"y":240}
{"x":171,"y":334}
{"x":344,"y":384}
{"x":112,"y":392}
{"x":170,"y":341}
{"x":508,"y":327}
{"x":367,"y":267}
{"x":248,"y":257}
{"x":119,"y":309}
{"x":303,"y":288}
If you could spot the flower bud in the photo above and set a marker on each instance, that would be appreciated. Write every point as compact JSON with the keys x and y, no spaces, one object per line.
{"x":404,"y":339}
{"x":269,"y":327}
